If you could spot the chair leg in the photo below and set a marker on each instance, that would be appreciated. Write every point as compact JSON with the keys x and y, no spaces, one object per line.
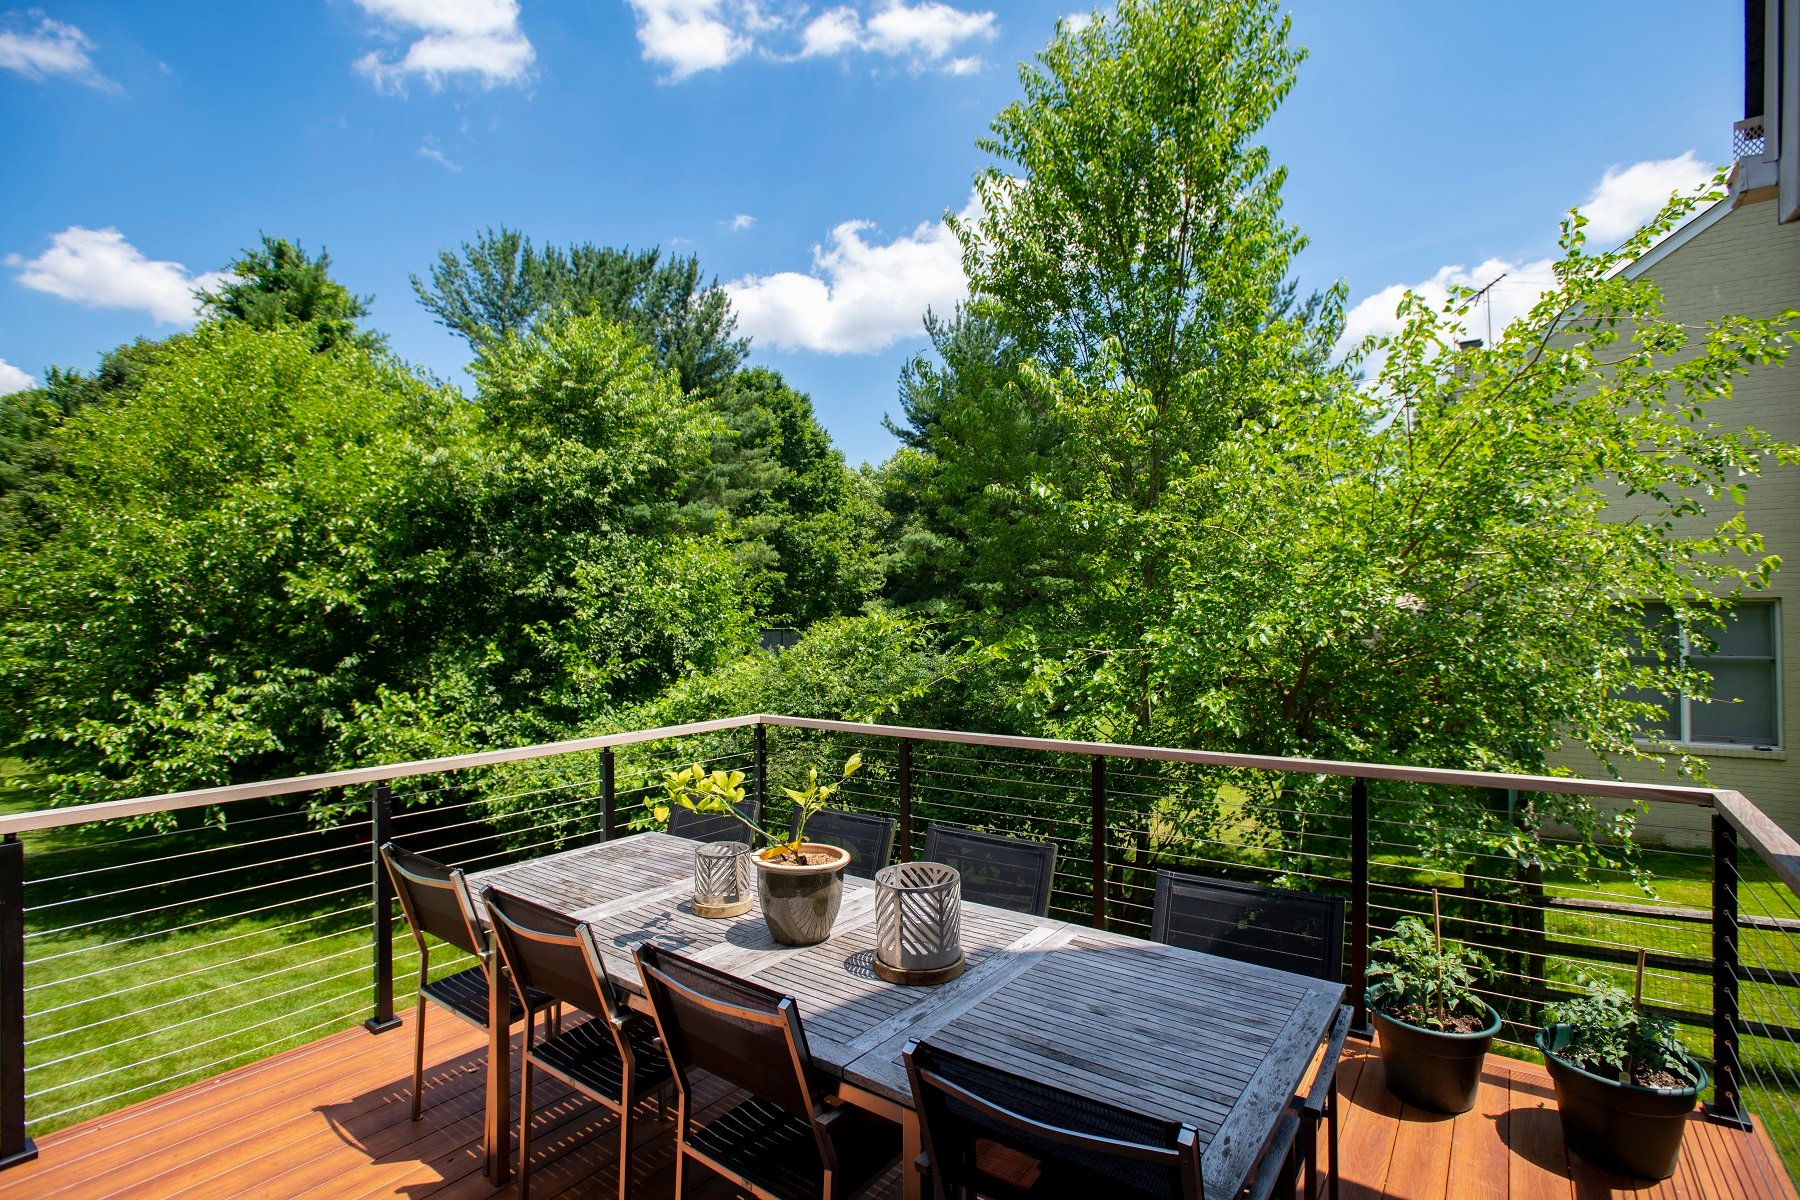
{"x":1309,"y":1133}
{"x":625,"y":1100}
{"x":418,"y":1056}
{"x":524,"y":1128}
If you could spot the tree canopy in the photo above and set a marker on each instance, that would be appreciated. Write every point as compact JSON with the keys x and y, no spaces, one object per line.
{"x":277,"y":284}
{"x":501,"y":283}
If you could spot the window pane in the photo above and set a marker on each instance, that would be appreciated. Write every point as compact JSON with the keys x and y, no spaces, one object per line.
{"x":1752,"y":721}
{"x":1749,"y":632}
{"x":1657,"y":622}
{"x":1665,"y":728}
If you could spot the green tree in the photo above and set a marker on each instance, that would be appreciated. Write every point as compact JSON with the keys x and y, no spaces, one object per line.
{"x":30,"y":461}
{"x":277,"y":284}
{"x":574,"y":566}
{"x":231,"y":559}
{"x":1448,"y":565}
{"x":1131,"y":249}
{"x":500,"y":283}
{"x":781,"y":491}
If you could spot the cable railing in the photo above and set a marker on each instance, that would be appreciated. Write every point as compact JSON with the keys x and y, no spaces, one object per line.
{"x":254,"y":918}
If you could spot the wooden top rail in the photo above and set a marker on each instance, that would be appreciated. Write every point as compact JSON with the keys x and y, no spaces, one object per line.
{"x":1376,"y":772}
{"x":111,"y":810}
{"x":1781,"y":851}
{"x":1770,"y":840}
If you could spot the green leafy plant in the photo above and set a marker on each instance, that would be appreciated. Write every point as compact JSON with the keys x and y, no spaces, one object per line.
{"x":722,"y":792}
{"x":1610,"y":1035}
{"x":1416,"y":978}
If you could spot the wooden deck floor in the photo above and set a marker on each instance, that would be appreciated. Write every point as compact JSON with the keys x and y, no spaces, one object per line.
{"x":329,"y":1121}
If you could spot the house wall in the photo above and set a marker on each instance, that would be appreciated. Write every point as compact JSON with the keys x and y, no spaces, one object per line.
{"x":1747,"y":264}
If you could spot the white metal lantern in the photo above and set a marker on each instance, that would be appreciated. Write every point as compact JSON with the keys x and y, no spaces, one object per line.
{"x":918,"y":923}
{"x":722,"y":879}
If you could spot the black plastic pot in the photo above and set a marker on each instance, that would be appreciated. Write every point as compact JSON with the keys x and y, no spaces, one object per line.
{"x":1439,"y":1072}
{"x":1633,"y":1130}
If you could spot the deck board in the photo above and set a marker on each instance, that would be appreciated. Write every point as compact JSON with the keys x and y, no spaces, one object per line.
{"x":330,"y":1119}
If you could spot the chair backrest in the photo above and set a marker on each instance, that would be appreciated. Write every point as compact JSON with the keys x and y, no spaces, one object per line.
{"x":1302,"y":932}
{"x":551,"y":952}
{"x":870,"y":840}
{"x":1006,"y":872}
{"x":435,"y":899}
{"x":746,"y":1034}
{"x":1029,"y":1132}
{"x":713,"y":827}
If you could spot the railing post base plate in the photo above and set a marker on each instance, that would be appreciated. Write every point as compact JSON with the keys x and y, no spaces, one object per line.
{"x":22,"y":1156}
{"x":1730,"y":1118}
{"x":381,"y":1024}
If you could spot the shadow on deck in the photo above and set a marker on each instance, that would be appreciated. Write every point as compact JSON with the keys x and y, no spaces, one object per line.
{"x":330,"y":1120}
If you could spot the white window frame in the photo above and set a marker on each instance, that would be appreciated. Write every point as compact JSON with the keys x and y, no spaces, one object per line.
{"x":1684,"y":701}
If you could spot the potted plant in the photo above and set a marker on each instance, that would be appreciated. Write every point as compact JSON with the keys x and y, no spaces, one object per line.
{"x":1433,"y":1031}
{"x":1624,"y":1084}
{"x":799,"y":884}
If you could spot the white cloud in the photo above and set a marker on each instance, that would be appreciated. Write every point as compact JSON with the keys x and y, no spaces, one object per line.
{"x":689,"y":36}
{"x":428,"y":150}
{"x":1077,"y":22}
{"x":478,"y":39}
{"x":831,"y":32}
{"x":741,"y":222}
{"x":51,"y":48}
{"x":860,"y":296}
{"x":928,"y":33}
{"x":1626,"y":197}
{"x":930,"y":29}
{"x":12,"y":379}
{"x":99,"y":268}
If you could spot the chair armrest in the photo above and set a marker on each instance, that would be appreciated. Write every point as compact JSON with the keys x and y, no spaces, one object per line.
{"x":1328,"y":1063}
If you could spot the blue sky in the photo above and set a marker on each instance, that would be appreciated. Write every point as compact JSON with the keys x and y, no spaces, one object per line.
{"x":806,"y":154}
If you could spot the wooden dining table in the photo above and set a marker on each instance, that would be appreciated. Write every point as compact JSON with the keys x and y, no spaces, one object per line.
{"x":1169,"y":1033}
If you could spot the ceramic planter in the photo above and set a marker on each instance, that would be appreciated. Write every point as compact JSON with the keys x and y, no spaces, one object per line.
{"x":1633,"y":1130}
{"x":800,"y":902}
{"x":1429,"y":1069}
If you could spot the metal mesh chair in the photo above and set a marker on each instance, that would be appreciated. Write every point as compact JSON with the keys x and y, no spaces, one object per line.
{"x":1302,"y":932}
{"x":713,"y":827}
{"x":870,"y":840}
{"x":1005,"y":872}
{"x":614,"y":1057}
{"x":992,"y":1133}
{"x":786,"y":1140}
{"x":436,"y":901}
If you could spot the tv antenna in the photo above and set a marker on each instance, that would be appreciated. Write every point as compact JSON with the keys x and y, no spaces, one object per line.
{"x":1490,"y":303}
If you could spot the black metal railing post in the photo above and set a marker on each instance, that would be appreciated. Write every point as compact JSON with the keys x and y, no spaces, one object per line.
{"x":1359,"y":904}
{"x":381,"y":820}
{"x":906,"y":800}
{"x":1727,"y":1105}
{"x":1097,"y":790}
{"x":762,"y":769}
{"x":15,"y":1147}
{"x":609,"y":794}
